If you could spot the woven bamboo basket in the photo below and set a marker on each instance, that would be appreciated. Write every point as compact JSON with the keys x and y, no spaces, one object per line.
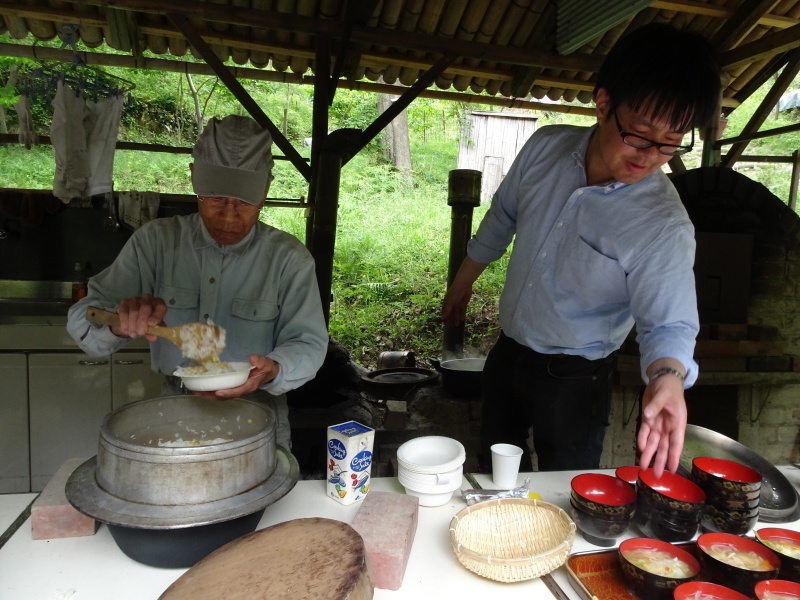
{"x":512,"y":539}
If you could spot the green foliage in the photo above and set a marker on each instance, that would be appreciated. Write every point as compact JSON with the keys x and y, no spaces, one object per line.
{"x":392,"y":237}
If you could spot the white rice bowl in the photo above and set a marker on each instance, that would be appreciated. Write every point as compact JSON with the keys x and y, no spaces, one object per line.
{"x":219,"y":379}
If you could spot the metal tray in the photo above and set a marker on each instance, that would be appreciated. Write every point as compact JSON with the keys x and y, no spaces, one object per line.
{"x":779,"y":501}
{"x":596,"y":574}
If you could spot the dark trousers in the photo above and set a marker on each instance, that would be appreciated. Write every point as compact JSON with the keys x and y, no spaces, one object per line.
{"x":565,"y":398}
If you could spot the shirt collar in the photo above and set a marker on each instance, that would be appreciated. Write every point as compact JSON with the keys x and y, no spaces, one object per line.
{"x":579,"y":154}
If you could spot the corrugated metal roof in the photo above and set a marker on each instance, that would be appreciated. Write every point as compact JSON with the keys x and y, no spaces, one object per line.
{"x":505,"y":47}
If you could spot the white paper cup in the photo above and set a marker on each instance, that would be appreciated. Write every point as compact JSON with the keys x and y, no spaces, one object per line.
{"x":505,"y":465}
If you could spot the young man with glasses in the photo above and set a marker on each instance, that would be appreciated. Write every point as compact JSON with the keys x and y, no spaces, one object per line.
{"x":220,"y":264}
{"x":601,"y":242}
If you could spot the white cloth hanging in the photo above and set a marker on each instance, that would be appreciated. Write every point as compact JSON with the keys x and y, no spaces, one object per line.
{"x":69,"y":143}
{"x":137,"y":208}
{"x":102,"y":127}
{"x":83,"y":134}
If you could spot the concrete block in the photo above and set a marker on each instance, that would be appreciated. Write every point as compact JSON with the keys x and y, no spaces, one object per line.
{"x":387,"y":522}
{"x":52,"y":516}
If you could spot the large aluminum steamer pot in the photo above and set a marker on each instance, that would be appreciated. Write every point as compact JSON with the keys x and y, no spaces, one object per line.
{"x":185,"y":450}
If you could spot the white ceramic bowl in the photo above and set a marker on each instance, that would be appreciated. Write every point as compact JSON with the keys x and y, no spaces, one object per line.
{"x":211,"y":382}
{"x":431,"y":454}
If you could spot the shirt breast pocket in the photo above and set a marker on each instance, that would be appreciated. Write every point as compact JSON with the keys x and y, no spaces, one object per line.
{"x":591,"y":275}
{"x":182,"y":304}
{"x":252,"y":327}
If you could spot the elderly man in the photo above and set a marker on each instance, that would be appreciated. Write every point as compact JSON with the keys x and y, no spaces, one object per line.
{"x":220,"y":264}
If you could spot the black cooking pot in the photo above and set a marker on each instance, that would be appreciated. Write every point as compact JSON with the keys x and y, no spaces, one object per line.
{"x":180,"y":548}
{"x":461,"y":376}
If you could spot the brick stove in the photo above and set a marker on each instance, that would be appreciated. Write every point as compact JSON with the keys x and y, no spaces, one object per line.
{"x":748,"y":278}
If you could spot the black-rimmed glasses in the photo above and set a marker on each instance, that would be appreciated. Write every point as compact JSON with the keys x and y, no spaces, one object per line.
{"x":637,"y":141}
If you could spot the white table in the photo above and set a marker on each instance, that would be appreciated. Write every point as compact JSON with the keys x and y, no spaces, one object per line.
{"x":11,"y":506}
{"x":93,"y":567}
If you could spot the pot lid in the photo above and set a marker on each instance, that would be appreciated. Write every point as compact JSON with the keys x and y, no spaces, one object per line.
{"x":84,"y":493}
{"x":400,"y":376}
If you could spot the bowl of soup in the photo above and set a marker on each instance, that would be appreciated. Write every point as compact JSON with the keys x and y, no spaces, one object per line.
{"x":654,"y":568}
{"x":786,"y":544}
{"x":736,"y":562}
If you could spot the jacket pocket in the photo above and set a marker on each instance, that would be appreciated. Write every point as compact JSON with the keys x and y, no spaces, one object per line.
{"x":254,"y":310}
{"x":252,"y":328}
{"x":180,"y":298}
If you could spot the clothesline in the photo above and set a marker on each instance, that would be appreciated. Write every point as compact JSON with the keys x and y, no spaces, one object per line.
{"x":88,"y":82}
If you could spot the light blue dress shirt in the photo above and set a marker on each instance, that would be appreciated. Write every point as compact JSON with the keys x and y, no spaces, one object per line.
{"x":589,"y":261}
{"x":262,"y":291}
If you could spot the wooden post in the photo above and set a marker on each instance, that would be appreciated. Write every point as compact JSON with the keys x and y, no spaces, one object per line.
{"x":464,"y":194}
{"x":328,"y":176}
{"x":795,"y":180}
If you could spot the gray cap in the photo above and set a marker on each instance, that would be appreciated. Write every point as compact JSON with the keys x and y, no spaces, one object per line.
{"x":232,"y":158}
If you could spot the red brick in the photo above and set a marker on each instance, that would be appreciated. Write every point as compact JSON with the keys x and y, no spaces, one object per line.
{"x":728,"y":331}
{"x":769,"y":363}
{"x":52,"y":516}
{"x":387,"y":522}
{"x":732,"y":364}
{"x":749,"y":348}
{"x":716,"y":348}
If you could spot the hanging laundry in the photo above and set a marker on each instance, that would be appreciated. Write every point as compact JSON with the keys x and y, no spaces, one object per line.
{"x":83,"y":134}
{"x":27,"y":135}
{"x":137,"y":208}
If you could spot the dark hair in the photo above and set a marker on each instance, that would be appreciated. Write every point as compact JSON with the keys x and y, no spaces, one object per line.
{"x":661,"y":70}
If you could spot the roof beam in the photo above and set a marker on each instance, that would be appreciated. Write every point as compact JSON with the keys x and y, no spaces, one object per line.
{"x":369,"y":58}
{"x":230,"y":80}
{"x":767,"y":46}
{"x":759,"y":116}
{"x":741,"y":23}
{"x":720,"y":12}
{"x":198,"y":68}
{"x":248,"y":17}
{"x":405,"y":99}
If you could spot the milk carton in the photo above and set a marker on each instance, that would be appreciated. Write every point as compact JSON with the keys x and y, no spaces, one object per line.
{"x":349,"y":461}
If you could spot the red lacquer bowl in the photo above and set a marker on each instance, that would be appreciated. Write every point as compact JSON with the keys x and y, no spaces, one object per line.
{"x":649,"y":585}
{"x":602,"y":493}
{"x":790,"y":566}
{"x":738,"y":578}
{"x":705,"y":589}
{"x":788,"y":589}
{"x":628,"y":474}
{"x":720,"y":476}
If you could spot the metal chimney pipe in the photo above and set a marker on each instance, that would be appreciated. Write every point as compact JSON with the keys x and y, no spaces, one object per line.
{"x":463,"y":195}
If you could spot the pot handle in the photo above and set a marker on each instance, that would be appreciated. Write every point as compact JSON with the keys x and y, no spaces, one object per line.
{"x":436,"y":364}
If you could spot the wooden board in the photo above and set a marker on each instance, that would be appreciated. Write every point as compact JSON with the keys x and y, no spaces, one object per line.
{"x":319,"y":559}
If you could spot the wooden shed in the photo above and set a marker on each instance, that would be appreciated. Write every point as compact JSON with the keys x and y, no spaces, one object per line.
{"x":489,"y":143}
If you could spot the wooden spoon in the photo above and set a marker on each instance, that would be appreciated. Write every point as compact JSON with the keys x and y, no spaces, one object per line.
{"x":199,"y":341}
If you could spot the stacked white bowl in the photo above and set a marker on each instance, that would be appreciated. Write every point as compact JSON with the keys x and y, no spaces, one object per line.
{"x":431,"y":468}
